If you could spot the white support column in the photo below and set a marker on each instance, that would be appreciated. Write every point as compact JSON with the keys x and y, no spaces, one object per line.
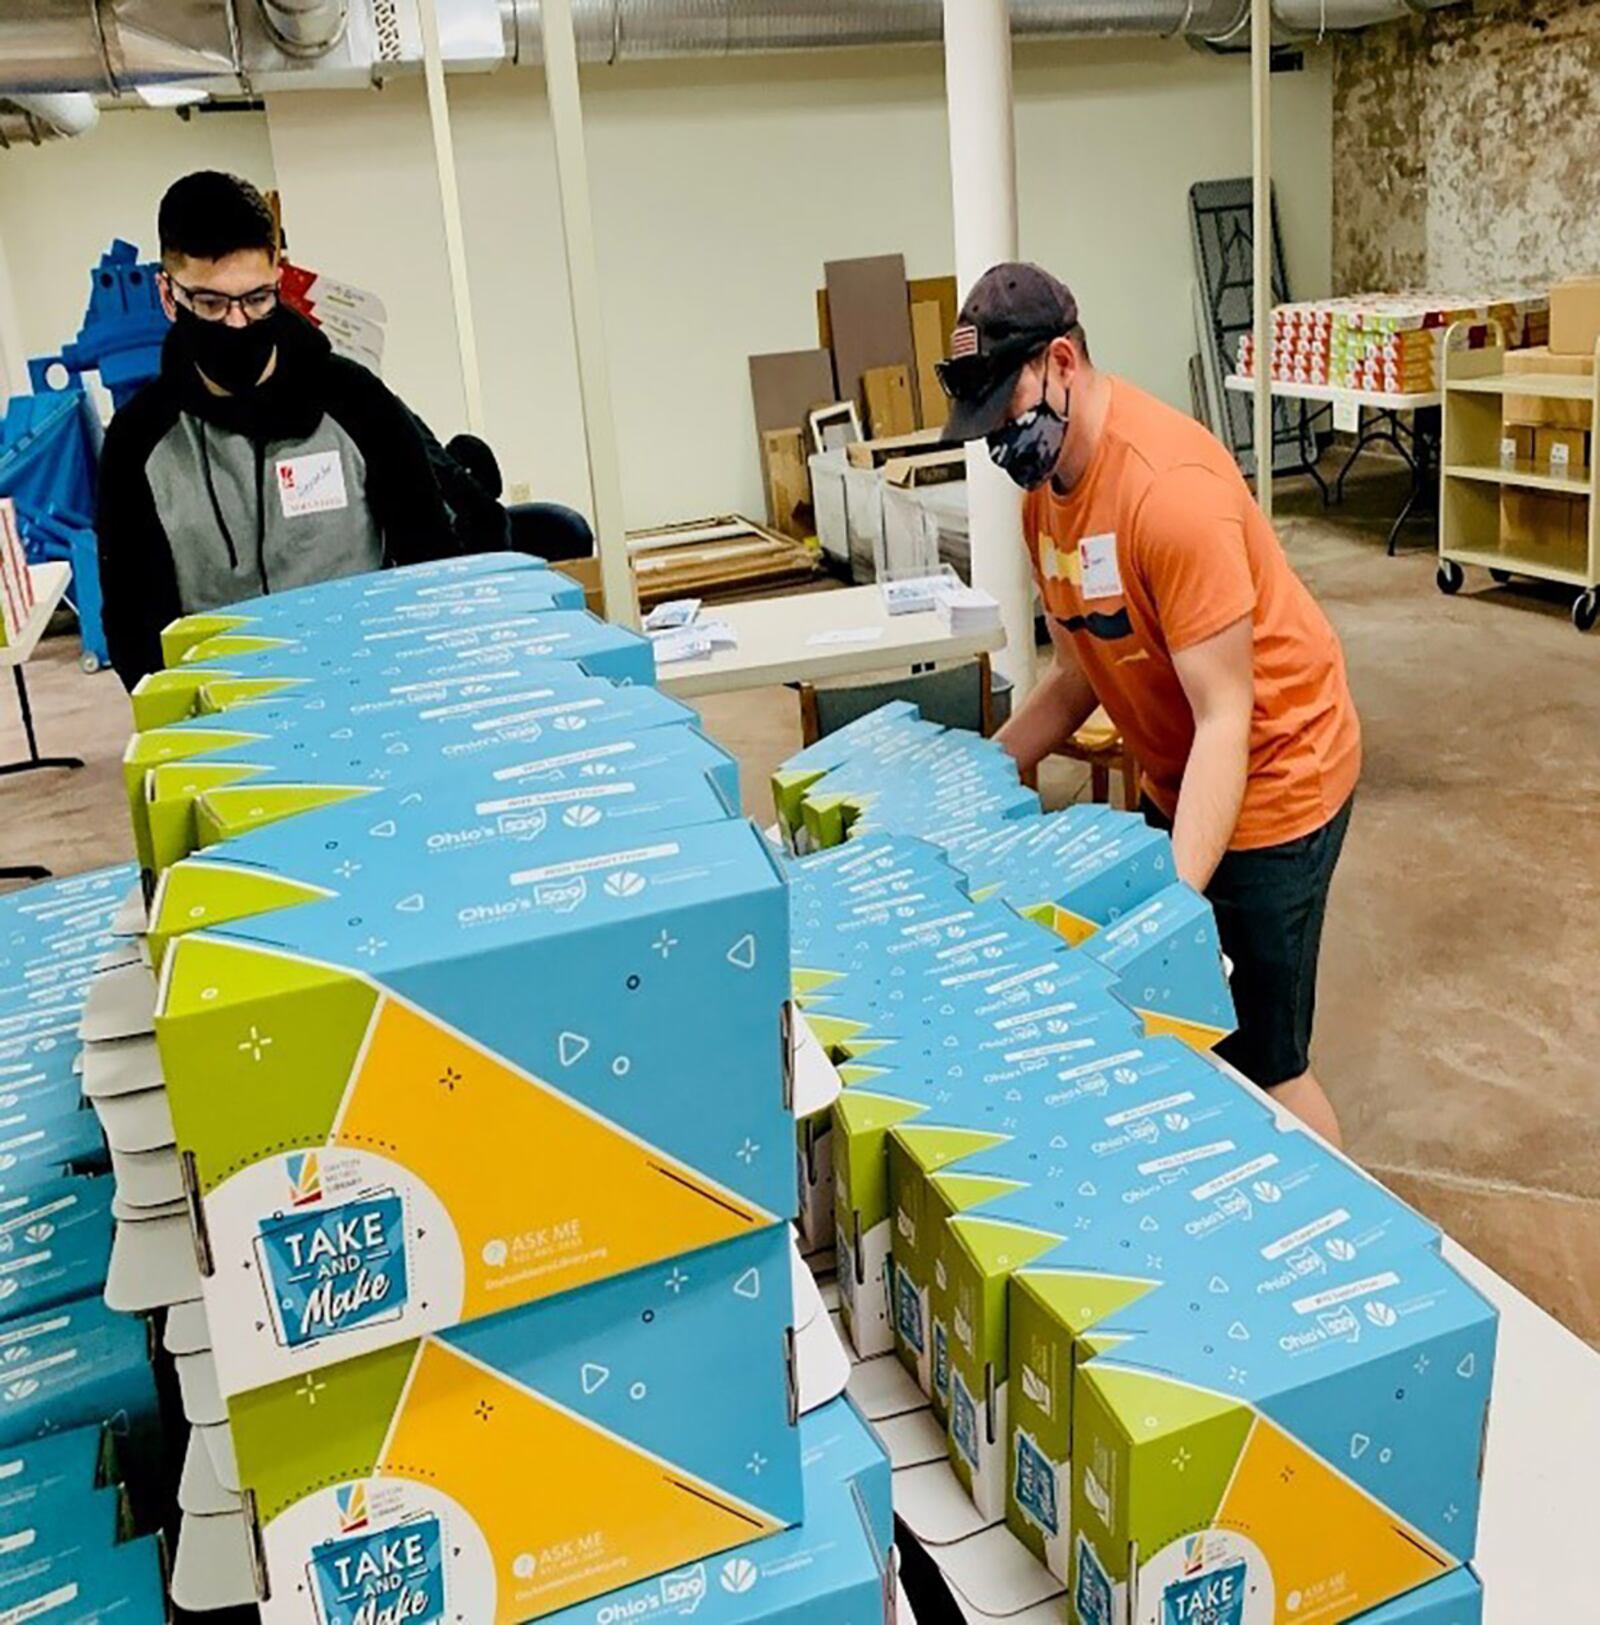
{"x":1261,"y":167}
{"x":583,"y":282}
{"x":983,"y":185}
{"x":455,"y":242}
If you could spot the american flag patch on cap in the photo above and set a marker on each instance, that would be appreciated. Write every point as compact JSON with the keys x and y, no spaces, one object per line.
{"x":964,"y":341}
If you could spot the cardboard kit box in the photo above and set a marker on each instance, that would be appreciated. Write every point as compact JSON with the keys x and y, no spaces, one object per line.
{"x":988,"y":1247}
{"x":364,"y":738}
{"x":667,"y":1396}
{"x":357,"y":604}
{"x":196,"y":804}
{"x":947,"y":1163}
{"x":405,"y":1113}
{"x":328,"y":851}
{"x":55,"y":1244}
{"x":837,"y":1565}
{"x":92,"y":1581}
{"x":1276,"y":1216}
{"x":273,"y":666}
{"x":79,"y":1365}
{"x":1207,"y":1467}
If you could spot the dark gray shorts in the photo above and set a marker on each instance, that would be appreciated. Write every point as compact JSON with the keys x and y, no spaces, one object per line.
{"x":1270,"y":904}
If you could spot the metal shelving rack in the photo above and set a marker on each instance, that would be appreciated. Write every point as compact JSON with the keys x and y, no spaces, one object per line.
{"x":1473,"y":478}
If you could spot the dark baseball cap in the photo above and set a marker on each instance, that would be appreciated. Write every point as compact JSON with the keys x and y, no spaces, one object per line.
{"x":1012,"y":313}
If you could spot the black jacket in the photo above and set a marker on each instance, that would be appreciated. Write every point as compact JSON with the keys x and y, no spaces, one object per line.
{"x":208,"y":499}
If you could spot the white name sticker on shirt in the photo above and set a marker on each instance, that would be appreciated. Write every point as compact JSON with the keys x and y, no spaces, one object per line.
{"x":312,"y":484}
{"x":1097,"y":560}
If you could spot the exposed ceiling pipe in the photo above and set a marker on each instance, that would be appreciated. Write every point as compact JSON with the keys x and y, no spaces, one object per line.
{"x":305,"y":28}
{"x":233,"y":46}
{"x":62,"y":113}
{"x":630,"y":30}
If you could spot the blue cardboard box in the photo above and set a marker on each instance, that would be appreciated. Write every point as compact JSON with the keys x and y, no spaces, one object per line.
{"x":835,"y":1568}
{"x":476,"y":1095}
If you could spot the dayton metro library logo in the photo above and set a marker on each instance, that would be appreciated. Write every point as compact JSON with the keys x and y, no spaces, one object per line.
{"x":305,"y":1178}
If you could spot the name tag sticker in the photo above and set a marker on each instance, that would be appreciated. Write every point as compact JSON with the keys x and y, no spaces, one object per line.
{"x":312,"y":484}
{"x":1097,"y":558}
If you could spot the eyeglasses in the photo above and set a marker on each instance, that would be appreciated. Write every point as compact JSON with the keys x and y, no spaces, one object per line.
{"x":971,"y":377}
{"x":211,"y":306}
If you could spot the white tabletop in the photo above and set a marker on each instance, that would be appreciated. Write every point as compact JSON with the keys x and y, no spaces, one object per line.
{"x":805,"y":637}
{"x":1330,"y":395}
{"x":50,"y":583}
{"x":1540,"y":1482}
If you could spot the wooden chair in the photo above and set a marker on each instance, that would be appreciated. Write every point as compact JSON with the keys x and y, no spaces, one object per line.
{"x":1100,"y":745}
{"x":959,"y":696}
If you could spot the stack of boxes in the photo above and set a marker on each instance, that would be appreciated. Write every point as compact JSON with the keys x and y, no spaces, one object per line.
{"x":83,"y":1472}
{"x":1388,"y":344}
{"x":1552,"y":437}
{"x":1201,"y":1367}
{"x":468,"y":1121}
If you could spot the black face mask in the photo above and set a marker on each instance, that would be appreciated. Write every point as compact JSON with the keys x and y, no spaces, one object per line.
{"x":233,"y":358}
{"x":1028,"y":448}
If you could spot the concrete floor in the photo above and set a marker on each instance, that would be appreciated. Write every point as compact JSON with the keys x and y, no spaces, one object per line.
{"x":1459,"y":1029}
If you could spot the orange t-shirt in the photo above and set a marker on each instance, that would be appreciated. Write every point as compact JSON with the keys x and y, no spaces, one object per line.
{"x":1159,"y":546}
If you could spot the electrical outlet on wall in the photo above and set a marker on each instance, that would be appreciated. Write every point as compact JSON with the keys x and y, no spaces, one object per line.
{"x":518,"y":491}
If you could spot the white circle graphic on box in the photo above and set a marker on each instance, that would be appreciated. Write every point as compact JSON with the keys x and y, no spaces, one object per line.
{"x":739,"y":1575}
{"x":384,"y":1543}
{"x":330,"y":1249}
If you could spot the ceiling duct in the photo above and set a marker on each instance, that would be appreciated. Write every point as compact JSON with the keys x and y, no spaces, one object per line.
{"x":635,"y":30}
{"x":234,"y":46}
{"x":27,"y":120}
{"x":305,"y":28}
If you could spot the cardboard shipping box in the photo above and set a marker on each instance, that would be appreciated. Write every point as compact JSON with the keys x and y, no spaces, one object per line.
{"x":1544,"y":527}
{"x":837,"y":1566}
{"x":542,"y":1456}
{"x":417,"y":1108}
{"x":1213,"y":1449}
{"x":1561,"y":451}
{"x":1541,"y":361}
{"x":1575,"y":316}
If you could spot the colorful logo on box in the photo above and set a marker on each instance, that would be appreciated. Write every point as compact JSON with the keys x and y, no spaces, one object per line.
{"x":1206,"y":1599}
{"x":908,"y":1309}
{"x":394,"y":1574}
{"x":1034,"y":1485}
{"x":305,"y":1178}
{"x":963,"y":1420}
{"x":336,"y":1269}
{"x":352,"y":1502}
{"x":1093,"y":1598}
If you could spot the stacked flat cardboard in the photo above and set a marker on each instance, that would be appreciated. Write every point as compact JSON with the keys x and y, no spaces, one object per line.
{"x":402,"y":1154}
{"x":1165,"y":1339}
{"x":16,"y":583}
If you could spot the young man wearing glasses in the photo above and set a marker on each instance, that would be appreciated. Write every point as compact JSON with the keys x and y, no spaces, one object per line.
{"x":1171,"y":603}
{"x":258,"y":460}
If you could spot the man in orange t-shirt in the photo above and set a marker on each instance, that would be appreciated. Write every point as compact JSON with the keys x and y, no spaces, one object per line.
{"x":1170,"y":603}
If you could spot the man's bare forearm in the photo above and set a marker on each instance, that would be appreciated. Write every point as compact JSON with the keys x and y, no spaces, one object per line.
{"x":1212,"y":794}
{"x":1057,"y":708}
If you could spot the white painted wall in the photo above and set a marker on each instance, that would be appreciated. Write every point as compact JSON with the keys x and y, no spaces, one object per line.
{"x":63,"y":202}
{"x":719,"y":190}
